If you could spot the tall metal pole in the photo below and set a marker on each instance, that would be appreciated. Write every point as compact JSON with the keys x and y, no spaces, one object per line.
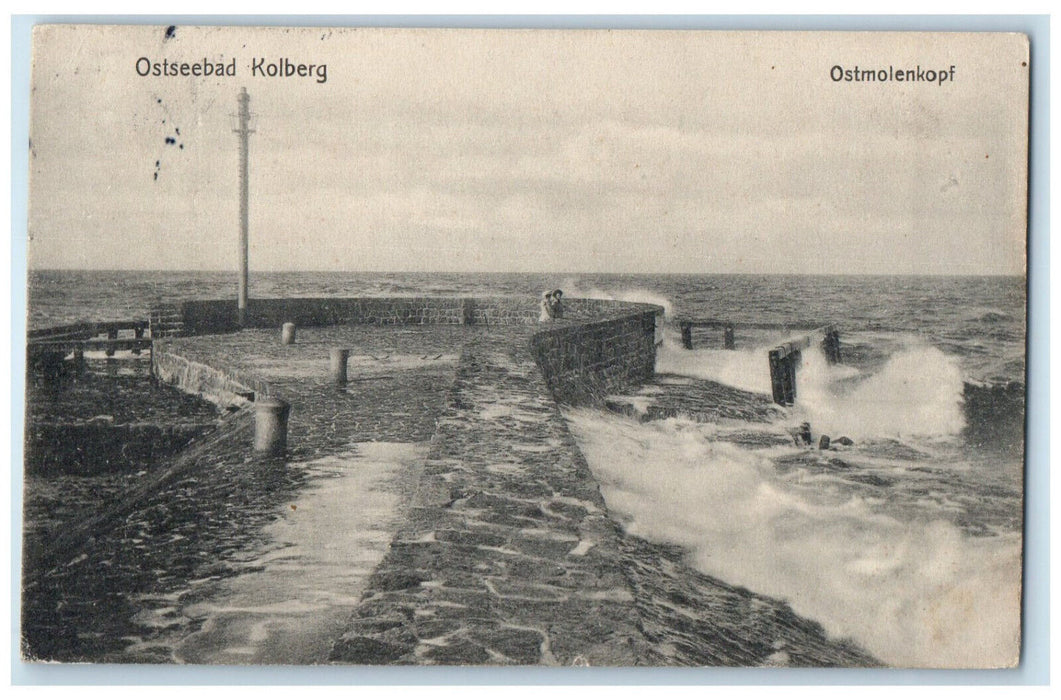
{"x":244,"y":132}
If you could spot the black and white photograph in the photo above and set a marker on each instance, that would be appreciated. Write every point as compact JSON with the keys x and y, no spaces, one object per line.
{"x":524,"y":347}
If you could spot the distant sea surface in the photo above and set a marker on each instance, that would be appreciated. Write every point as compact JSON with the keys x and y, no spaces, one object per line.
{"x":980,"y":320}
{"x":908,"y":542}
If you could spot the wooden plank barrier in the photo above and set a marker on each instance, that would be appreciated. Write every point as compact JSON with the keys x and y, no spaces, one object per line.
{"x":46,"y":348}
{"x":85,"y":330}
{"x":687,"y":335}
{"x":784,"y":359}
{"x":108,"y":345}
{"x":831,"y":347}
{"x":787,"y":357}
{"x":783,"y":364}
{"x":728,"y":328}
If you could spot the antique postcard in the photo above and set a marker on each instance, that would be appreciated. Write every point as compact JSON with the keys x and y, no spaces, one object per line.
{"x":366,"y":346}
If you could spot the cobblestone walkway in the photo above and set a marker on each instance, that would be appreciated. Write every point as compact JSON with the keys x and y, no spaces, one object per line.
{"x":509,"y":556}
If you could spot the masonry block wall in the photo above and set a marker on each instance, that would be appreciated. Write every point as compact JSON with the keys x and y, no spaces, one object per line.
{"x":587,"y":360}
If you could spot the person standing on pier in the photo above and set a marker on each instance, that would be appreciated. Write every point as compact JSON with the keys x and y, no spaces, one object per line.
{"x":557,"y":304}
{"x":546,"y":307}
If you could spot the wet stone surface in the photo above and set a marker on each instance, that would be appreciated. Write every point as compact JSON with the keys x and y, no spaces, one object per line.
{"x":694,"y":619}
{"x":115,"y":392}
{"x":398,"y":379}
{"x":86,"y":594}
{"x":701,"y":400}
{"x":109,"y":396}
{"x":508,"y":556}
{"x":504,"y":552}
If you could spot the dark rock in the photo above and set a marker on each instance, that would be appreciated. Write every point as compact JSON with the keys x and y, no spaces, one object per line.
{"x":365,"y":650}
{"x":461,"y":652}
{"x":528,"y":568}
{"x":520,"y":645}
{"x":570,"y":510}
{"x":373,"y":625}
{"x":429,"y":629}
{"x":382,"y":608}
{"x":871,"y":479}
{"x":844,"y":440}
{"x":469,"y":538}
{"x":532,"y":512}
{"x":394,"y":580}
{"x":550,"y":549}
{"x":823,"y":442}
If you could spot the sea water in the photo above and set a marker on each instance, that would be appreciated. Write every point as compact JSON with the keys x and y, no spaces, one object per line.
{"x":908,"y":541}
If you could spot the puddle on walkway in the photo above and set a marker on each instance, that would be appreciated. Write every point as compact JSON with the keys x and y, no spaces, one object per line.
{"x":294,"y":601}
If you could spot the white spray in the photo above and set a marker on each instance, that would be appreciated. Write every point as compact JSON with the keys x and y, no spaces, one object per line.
{"x":918,"y":392}
{"x":911,"y":592}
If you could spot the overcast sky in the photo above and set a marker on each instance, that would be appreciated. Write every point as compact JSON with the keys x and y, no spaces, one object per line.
{"x":531,"y":151}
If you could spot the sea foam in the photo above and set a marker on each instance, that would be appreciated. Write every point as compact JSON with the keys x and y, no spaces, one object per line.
{"x":912,"y":592}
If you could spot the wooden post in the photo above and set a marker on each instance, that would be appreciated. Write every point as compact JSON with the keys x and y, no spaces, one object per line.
{"x":784,"y":360}
{"x":687,"y":335}
{"x":287,"y":334}
{"x":728,"y":342}
{"x":112,"y":334}
{"x":791,"y":363}
{"x":831,"y":347}
{"x":138,"y":333}
{"x":79,"y":360}
{"x":777,"y":384}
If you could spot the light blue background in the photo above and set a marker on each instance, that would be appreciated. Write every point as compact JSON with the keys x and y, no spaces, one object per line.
{"x":1034,"y":668}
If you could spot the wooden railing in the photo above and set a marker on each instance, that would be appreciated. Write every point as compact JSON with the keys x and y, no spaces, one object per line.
{"x":58,"y":341}
{"x":784,"y":359}
{"x":728,"y":327}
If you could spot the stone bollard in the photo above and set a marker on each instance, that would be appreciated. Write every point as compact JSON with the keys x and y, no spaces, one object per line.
{"x":823,"y":443}
{"x":287,"y":334}
{"x":339,"y":357}
{"x":270,"y":426}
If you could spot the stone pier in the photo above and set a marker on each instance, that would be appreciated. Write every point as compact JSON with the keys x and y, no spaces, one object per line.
{"x":502,"y":550}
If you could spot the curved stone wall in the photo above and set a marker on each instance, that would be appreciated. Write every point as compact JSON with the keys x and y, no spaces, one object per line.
{"x":599,"y":346}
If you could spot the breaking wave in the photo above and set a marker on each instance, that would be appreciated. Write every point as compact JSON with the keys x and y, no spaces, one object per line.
{"x":912,"y":592}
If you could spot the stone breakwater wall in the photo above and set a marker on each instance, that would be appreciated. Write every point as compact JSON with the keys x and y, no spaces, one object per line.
{"x":220,"y":316}
{"x":599,"y":346}
{"x":588,"y":360}
{"x":220,"y":386}
{"x":507,"y":555}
